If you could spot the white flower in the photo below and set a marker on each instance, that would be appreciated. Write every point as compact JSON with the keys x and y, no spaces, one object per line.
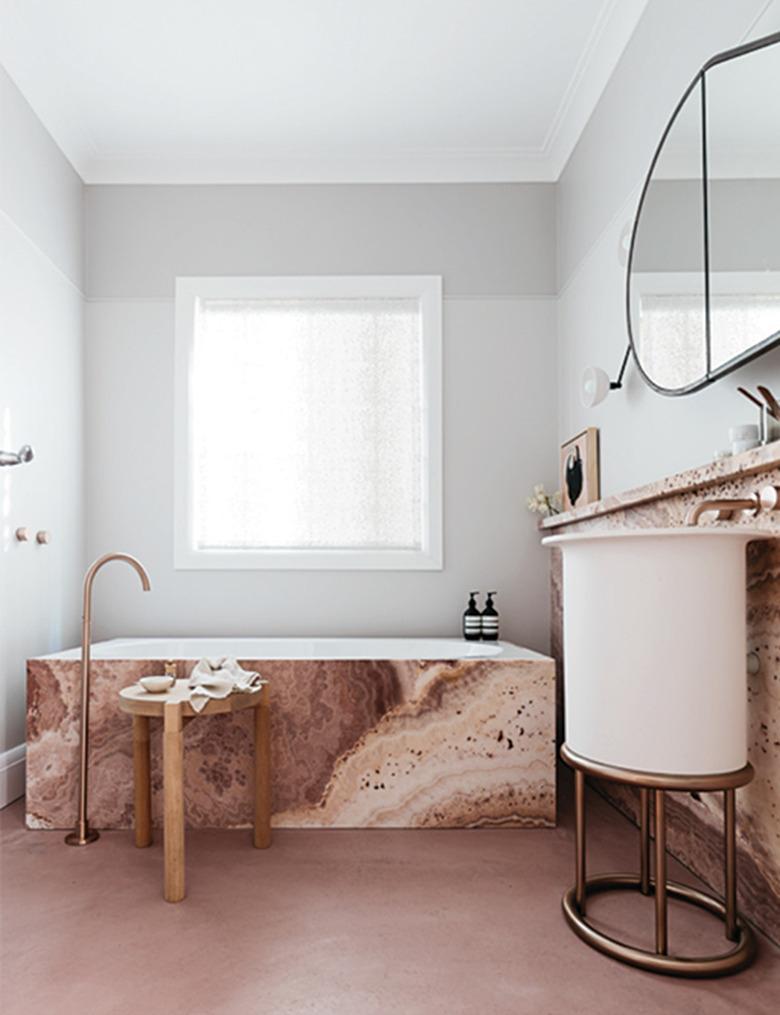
{"x":542,"y":503}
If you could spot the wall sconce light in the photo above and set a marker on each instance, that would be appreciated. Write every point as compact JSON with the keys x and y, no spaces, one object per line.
{"x":596,"y":385}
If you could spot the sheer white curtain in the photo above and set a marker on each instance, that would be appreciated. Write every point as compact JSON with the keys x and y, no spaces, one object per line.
{"x":672,"y":337}
{"x":307,"y":419}
{"x":741,"y":320}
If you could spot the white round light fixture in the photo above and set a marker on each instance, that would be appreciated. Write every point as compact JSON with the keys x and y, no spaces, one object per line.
{"x":595,"y":384}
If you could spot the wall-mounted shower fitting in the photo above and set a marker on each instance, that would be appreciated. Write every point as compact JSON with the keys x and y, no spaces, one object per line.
{"x":24,"y":454}
{"x":42,"y":536}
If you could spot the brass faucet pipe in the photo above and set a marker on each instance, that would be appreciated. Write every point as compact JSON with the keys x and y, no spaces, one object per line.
{"x":82,"y":834}
{"x":725,"y":507}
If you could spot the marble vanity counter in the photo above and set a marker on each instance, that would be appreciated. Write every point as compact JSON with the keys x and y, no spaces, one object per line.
{"x":726,"y":473}
{"x":695,"y":823}
{"x":355,"y":743}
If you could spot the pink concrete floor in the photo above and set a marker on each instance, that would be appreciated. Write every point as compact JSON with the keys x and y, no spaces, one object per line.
{"x":348,"y":922}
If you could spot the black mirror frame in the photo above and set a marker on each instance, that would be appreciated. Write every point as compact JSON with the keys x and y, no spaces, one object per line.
{"x":761,"y":347}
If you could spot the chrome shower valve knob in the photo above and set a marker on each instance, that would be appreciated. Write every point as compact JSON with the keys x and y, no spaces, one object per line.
{"x":22,"y":456}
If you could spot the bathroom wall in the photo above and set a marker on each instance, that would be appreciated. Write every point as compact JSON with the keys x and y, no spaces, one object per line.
{"x":41,"y":257}
{"x":643,"y":435}
{"x":495,"y":247}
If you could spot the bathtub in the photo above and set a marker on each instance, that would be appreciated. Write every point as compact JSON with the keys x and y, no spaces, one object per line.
{"x":300,"y":648}
{"x":365,"y":732}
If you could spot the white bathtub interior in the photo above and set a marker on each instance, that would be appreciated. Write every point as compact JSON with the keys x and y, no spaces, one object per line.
{"x":300,"y":648}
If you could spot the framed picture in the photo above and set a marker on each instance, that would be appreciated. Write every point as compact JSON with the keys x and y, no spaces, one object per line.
{"x":580,"y":469}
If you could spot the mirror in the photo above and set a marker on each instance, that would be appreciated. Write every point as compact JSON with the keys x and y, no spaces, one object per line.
{"x":703,"y":280}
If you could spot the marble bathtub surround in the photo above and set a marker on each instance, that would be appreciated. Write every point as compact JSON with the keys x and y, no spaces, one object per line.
{"x":695,"y":821}
{"x":354,"y":743}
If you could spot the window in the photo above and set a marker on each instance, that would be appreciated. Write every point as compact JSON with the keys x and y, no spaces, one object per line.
{"x":308,"y":422}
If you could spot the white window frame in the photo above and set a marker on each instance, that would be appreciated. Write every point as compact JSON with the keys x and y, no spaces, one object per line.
{"x":428,"y":290}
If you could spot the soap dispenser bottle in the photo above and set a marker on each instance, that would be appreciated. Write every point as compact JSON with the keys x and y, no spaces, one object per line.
{"x":490,"y":619}
{"x":472,"y":620}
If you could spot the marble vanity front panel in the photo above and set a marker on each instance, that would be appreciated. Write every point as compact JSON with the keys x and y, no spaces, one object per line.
{"x":355,"y":744}
{"x":696,"y":821}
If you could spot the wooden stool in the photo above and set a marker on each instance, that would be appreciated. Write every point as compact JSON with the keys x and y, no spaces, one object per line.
{"x":175,"y":710}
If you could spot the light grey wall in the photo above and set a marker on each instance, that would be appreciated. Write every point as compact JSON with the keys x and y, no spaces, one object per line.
{"x":643,"y":435}
{"x":41,"y":307}
{"x":743,"y":217}
{"x":495,"y":247}
{"x":486,"y":239}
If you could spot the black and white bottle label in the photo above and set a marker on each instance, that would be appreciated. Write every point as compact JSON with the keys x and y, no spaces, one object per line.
{"x":472,"y":626}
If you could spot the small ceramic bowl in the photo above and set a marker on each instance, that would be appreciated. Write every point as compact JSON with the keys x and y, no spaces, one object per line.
{"x":156,"y":685}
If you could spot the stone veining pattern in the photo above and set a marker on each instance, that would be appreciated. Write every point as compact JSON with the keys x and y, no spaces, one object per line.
{"x":695,"y":822}
{"x":450,"y":744}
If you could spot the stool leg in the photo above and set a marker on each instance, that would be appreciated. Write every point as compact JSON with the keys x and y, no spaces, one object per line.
{"x":173,"y":767}
{"x":661,"y":929}
{"x":142,"y":781}
{"x":579,"y":834}
{"x":730,"y":837}
{"x":644,"y":841}
{"x":262,"y":836}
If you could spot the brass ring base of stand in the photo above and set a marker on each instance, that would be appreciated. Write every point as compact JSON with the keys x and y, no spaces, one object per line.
{"x":727,"y":962}
{"x":652,"y":788}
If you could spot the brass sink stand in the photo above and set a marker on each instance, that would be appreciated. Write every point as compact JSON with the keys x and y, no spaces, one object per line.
{"x":651,"y":792}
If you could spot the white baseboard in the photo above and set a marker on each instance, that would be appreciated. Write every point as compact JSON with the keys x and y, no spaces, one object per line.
{"x":12,"y":774}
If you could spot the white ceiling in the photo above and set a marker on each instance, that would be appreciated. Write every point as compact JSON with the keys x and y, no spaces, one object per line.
{"x":192,"y":91}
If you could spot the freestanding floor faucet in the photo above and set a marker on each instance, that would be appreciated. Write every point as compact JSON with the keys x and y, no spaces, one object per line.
{"x":82,"y":834}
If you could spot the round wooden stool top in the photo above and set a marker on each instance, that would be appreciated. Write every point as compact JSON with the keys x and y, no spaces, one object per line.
{"x":137,"y":701}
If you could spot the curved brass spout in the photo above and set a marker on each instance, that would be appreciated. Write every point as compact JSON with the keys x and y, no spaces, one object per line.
{"x":83,"y":834}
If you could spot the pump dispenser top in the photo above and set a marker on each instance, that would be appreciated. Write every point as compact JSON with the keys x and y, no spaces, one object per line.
{"x":490,"y":619}
{"x":472,"y":620}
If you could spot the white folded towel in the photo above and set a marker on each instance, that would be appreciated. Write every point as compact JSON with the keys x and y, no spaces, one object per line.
{"x":217,"y":678}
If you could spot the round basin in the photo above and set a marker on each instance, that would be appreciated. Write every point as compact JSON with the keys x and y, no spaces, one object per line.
{"x":654,"y":641}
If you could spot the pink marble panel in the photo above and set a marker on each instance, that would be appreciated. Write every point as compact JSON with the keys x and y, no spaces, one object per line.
{"x":354,"y":744}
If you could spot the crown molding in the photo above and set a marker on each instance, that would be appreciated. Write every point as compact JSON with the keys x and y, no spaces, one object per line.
{"x":604,"y":48}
